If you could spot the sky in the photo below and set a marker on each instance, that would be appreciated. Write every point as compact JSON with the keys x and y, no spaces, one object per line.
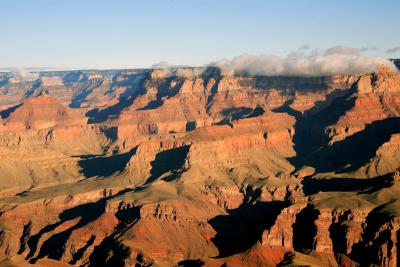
{"x":135,"y":34}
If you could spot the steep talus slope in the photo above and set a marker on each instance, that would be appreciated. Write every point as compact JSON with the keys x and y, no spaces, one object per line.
{"x":39,"y":141}
{"x":41,"y":112}
{"x":187,"y":167}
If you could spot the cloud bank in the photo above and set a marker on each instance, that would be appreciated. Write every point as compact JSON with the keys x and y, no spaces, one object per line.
{"x":335,"y":60}
{"x":24,"y":75}
{"x":170,"y":70}
{"x":393,"y":50}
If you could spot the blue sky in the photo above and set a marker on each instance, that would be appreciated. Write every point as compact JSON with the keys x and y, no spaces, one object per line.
{"x":122,"y":33}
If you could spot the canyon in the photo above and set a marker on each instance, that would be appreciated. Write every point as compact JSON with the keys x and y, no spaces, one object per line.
{"x":191,"y":167}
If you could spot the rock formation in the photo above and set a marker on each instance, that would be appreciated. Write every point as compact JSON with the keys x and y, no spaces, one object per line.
{"x":188,"y":167}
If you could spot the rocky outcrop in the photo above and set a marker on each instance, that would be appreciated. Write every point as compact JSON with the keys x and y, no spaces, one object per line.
{"x":281,"y":233}
{"x":169,"y":106}
{"x":172,"y":231}
{"x":40,"y":136}
{"x":377,"y":97}
{"x":41,"y":112}
{"x":51,"y":81}
{"x":386,"y":159}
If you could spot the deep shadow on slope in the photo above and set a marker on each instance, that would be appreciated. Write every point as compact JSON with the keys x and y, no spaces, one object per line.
{"x":304,"y":230}
{"x":310,"y":128}
{"x":396,"y":61}
{"x":286,"y":108}
{"x":79,"y":98}
{"x":356,"y":150}
{"x":164,"y":91}
{"x":243,"y":227}
{"x":111,"y":252}
{"x":6,"y":113}
{"x":312,"y":144}
{"x":370,"y":245}
{"x":191,"y":263}
{"x":168,"y":161}
{"x":97,"y":116}
{"x":80,"y":252}
{"x":105,"y":165}
{"x":234,"y":114}
{"x":313,"y":186}
{"x":287,"y":83}
{"x":55,"y":246}
{"x":134,"y":86}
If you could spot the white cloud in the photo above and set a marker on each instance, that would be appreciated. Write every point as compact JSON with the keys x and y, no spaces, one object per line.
{"x":24,"y":75}
{"x":335,"y":60}
{"x":162,"y":65}
{"x":169,"y":70}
